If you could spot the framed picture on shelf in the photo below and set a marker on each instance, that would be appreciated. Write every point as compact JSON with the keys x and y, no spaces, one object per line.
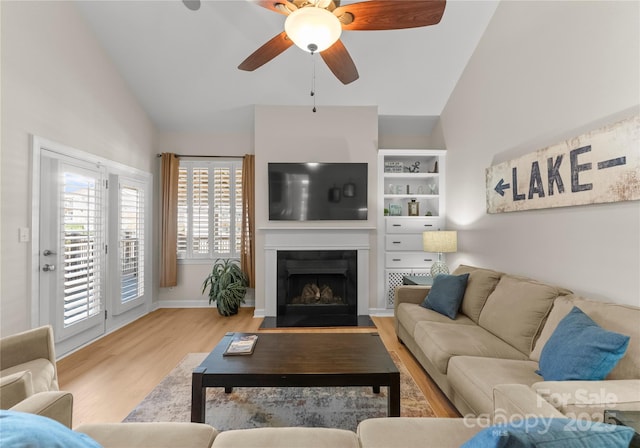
{"x":393,"y":167}
{"x":395,"y":210}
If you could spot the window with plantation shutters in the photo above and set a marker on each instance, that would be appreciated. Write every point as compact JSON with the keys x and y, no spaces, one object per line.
{"x":131,"y":240}
{"x":209,"y":209}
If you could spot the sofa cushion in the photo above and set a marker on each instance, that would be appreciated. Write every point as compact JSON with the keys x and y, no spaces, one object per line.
{"x":623,"y":319}
{"x":579,"y":349}
{"x":516,"y":309}
{"x":286,"y":438}
{"x":42,"y":374}
{"x":446,"y":294}
{"x":157,"y":435}
{"x":409,"y":314}
{"x":480,"y":284}
{"x":441,"y":341}
{"x":21,"y":429}
{"x":552,"y":433}
{"x":418,"y":432}
{"x":473,"y":378}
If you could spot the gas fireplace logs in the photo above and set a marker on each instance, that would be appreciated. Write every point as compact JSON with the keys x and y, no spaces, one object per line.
{"x":313,"y":294}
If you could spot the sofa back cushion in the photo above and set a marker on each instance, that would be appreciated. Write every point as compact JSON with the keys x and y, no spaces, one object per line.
{"x":480,"y":284}
{"x":624,"y":319}
{"x":516,"y":310}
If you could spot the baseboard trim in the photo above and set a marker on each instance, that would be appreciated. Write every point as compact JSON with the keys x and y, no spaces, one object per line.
{"x":381,"y":312}
{"x":193,"y":304}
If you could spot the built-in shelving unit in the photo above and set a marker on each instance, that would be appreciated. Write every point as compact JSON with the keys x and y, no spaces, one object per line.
{"x":411,"y":189}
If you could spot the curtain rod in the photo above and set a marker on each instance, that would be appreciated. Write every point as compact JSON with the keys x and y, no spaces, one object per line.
{"x":188,"y":155}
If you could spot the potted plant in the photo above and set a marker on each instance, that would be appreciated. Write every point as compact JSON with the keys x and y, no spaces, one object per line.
{"x":227,"y":286}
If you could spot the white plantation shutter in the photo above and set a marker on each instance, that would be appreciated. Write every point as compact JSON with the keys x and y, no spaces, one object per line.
{"x":209,"y":209}
{"x":238,"y":208}
{"x":82,"y":240}
{"x":222,"y":209}
{"x":200,"y":211}
{"x":183,"y":223}
{"x":131,"y":241}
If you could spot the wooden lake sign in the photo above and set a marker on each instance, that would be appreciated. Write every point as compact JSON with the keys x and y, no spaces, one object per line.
{"x":600,"y":166}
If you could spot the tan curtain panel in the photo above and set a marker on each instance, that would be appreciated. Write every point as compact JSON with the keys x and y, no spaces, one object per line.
{"x":169,"y":222}
{"x":247,"y":255}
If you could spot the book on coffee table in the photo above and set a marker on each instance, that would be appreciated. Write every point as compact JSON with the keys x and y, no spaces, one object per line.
{"x":241,"y":345}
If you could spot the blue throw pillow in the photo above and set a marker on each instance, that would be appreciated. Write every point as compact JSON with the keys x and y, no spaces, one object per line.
{"x":20,"y":429}
{"x":552,"y":433}
{"x":446,"y":294}
{"x":579,"y":349}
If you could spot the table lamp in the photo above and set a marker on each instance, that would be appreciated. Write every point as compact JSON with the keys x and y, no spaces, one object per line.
{"x":440,"y":241}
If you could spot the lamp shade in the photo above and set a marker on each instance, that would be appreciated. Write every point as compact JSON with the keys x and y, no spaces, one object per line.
{"x":313,"y":29}
{"x":440,"y":241}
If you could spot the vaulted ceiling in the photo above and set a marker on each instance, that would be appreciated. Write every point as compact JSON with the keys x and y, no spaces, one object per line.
{"x":182,"y":64}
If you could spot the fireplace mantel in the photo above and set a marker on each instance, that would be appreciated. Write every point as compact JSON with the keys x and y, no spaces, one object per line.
{"x":315,"y":238}
{"x":315,"y":228}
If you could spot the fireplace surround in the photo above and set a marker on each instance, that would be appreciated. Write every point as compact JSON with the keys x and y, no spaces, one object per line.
{"x":316,"y":276}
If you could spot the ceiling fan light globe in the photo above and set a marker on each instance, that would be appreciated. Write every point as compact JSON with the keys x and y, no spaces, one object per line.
{"x":311,"y":26}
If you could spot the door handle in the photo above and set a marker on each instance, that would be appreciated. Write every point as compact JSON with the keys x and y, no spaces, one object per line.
{"x":48,"y":252}
{"x":49,"y":267}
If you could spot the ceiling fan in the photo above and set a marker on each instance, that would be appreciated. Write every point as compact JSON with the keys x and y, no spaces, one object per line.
{"x":316,"y":25}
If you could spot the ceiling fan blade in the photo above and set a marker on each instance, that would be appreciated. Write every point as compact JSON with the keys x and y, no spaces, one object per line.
{"x":390,"y":15}
{"x":280,"y":6}
{"x":340,"y":63}
{"x":267,"y":52}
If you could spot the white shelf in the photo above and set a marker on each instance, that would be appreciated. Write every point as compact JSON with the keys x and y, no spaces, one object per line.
{"x":409,"y":196}
{"x":410,"y":175}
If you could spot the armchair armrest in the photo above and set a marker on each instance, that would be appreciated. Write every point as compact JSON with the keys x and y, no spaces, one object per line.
{"x":27,"y":346}
{"x":57,"y":405}
{"x":519,"y":400}
{"x":410,"y":294}
{"x":14,"y":388}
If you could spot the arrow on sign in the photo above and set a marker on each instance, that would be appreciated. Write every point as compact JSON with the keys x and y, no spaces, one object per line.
{"x":612,"y":162}
{"x":501,"y":186}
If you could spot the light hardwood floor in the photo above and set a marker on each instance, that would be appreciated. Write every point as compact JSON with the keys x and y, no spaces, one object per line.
{"x":111,"y":376}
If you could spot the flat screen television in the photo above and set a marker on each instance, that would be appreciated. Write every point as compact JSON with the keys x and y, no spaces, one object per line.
{"x":317,"y":191}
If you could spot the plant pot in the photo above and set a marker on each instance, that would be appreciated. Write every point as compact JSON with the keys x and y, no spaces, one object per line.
{"x":229,"y":312}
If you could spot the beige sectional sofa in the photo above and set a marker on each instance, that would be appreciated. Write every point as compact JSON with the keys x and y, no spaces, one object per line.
{"x":371,"y":433}
{"x":497,"y":338}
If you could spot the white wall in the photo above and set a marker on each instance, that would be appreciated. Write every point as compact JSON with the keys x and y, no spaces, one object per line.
{"x":57,"y":83}
{"x":544,"y":72}
{"x":188,"y":292}
{"x":296,"y":134}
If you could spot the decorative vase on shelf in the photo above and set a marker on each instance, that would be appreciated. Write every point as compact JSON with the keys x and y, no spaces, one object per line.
{"x":413,"y":208}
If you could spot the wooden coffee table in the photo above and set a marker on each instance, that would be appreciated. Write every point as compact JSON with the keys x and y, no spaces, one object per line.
{"x":299,"y":360}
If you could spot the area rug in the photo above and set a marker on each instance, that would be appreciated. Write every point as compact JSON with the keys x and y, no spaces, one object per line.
{"x":252,"y":407}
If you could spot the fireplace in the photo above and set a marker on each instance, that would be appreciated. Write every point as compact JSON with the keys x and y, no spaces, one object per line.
{"x":317,"y":287}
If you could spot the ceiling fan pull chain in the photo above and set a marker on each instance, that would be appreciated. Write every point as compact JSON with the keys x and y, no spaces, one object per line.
{"x":313,"y":80}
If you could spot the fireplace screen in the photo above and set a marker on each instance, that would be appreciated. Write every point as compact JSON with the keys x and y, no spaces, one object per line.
{"x":317,"y":281}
